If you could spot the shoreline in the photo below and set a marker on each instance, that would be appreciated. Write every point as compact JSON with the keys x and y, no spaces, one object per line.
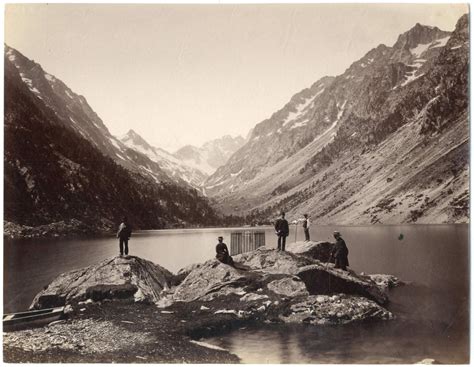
{"x":152,"y":336}
{"x":75,"y":229}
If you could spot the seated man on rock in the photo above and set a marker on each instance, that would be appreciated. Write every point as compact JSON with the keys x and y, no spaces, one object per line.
{"x":340,"y":252}
{"x":222,"y":253}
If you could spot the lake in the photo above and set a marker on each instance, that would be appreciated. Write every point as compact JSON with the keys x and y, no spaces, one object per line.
{"x":432,"y":309}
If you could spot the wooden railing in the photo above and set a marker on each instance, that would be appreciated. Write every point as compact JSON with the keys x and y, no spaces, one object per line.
{"x":245,"y":241}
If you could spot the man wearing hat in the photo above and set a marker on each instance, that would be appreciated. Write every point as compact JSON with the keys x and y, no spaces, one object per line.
{"x":340,"y":252}
{"x":222,"y":253}
{"x":282,"y":231}
{"x":124,"y":233}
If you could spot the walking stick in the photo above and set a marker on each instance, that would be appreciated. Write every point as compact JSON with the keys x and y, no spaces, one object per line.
{"x":296,"y":230}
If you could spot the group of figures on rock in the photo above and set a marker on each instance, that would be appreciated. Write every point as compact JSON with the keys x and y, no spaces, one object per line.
{"x":339,"y":253}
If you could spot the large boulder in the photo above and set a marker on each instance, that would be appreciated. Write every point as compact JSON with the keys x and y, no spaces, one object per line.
{"x":289,"y":287}
{"x":117,"y":277}
{"x":335,"y":309}
{"x":273,"y":261}
{"x":209,"y":280}
{"x":280,"y":273}
{"x":317,"y":250}
{"x":325,"y":279}
{"x":184,"y":272}
{"x":267,"y":270}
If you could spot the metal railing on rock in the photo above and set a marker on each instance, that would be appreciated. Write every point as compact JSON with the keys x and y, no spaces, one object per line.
{"x":245,"y":241}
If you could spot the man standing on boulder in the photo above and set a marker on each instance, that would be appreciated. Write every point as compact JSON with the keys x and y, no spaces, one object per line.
{"x":282,"y":231}
{"x":306,"y":223}
{"x":124,"y":233}
{"x":340,"y":252}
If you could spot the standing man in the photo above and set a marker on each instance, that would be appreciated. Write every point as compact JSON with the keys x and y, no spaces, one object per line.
{"x":306,"y":227}
{"x":123,"y":234}
{"x":340,"y":252}
{"x":282,"y":231}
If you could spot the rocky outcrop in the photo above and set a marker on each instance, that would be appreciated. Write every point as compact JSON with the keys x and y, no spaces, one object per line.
{"x":274,"y":281}
{"x":265,"y":285}
{"x":336,"y":309}
{"x":325,"y":279}
{"x":271,"y":261}
{"x":318,"y":250}
{"x":210,"y":280}
{"x":184,"y":272}
{"x":385,"y":281}
{"x":117,"y":277}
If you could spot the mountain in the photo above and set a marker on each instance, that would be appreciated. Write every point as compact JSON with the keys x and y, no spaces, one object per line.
{"x":62,"y":164}
{"x":387,"y":141}
{"x":74,"y":113}
{"x":171,"y":165}
{"x":210,"y":155}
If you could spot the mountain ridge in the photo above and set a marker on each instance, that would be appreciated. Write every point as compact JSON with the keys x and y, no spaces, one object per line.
{"x":173,"y":166}
{"x":63,"y":165}
{"x":210,"y":155}
{"x":353,"y":113}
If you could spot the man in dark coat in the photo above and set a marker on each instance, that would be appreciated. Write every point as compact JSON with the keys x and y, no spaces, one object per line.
{"x":340,"y":252}
{"x":282,"y":231}
{"x":124,"y":233}
{"x":222,"y":253}
{"x":306,"y":227}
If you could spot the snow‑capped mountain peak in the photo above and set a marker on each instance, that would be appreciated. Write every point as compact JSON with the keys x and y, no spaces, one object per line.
{"x":170,"y":164}
{"x":419,"y":35}
{"x":73,"y":112}
{"x":210,"y":155}
{"x":133,"y":138}
{"x":62,"y":164}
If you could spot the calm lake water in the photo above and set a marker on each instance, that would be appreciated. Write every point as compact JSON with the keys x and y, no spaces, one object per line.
{"x":432,"y":309}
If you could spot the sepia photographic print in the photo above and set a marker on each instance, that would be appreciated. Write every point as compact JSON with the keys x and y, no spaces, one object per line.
{"x":236,"y":183}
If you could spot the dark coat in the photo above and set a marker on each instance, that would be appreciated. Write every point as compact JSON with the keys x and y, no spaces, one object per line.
{"x":281,"y":227}
{"x":340,"y":253}
{"x":125,"y":231}
{"x":222,"y":254}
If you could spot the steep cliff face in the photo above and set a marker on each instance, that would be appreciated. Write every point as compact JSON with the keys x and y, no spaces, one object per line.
{"x":386,"y":141}
{"x":61,"y":163}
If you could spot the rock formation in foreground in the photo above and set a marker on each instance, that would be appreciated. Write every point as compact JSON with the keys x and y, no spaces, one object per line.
{"x":113,"y":278}
{"x":128,"y":310}
{"x":266,"y":285}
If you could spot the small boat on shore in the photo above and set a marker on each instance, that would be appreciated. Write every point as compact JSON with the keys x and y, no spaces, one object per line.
{"x":30,"y":319}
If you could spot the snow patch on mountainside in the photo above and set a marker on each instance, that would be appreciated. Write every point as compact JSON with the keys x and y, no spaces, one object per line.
{"x":411,"y":77}
{"x":422,"y":48}
{"x":169,"y":163}
{"x":301,"y":107}
{"x":341,"y":150}
{"x":212,"y":154}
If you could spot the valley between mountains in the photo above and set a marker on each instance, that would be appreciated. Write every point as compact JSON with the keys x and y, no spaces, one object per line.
{"x":385,"y":142}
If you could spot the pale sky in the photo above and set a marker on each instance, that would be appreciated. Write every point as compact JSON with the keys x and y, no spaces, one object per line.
{"x":185,"y":74}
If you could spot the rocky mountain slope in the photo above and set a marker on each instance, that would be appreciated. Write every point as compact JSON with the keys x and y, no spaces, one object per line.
{"x":210,"y":155}
{"x":74,"y":112}
{"x":173,"y":166}
{"x":385,"y":142}
{"x":62,"y":164}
